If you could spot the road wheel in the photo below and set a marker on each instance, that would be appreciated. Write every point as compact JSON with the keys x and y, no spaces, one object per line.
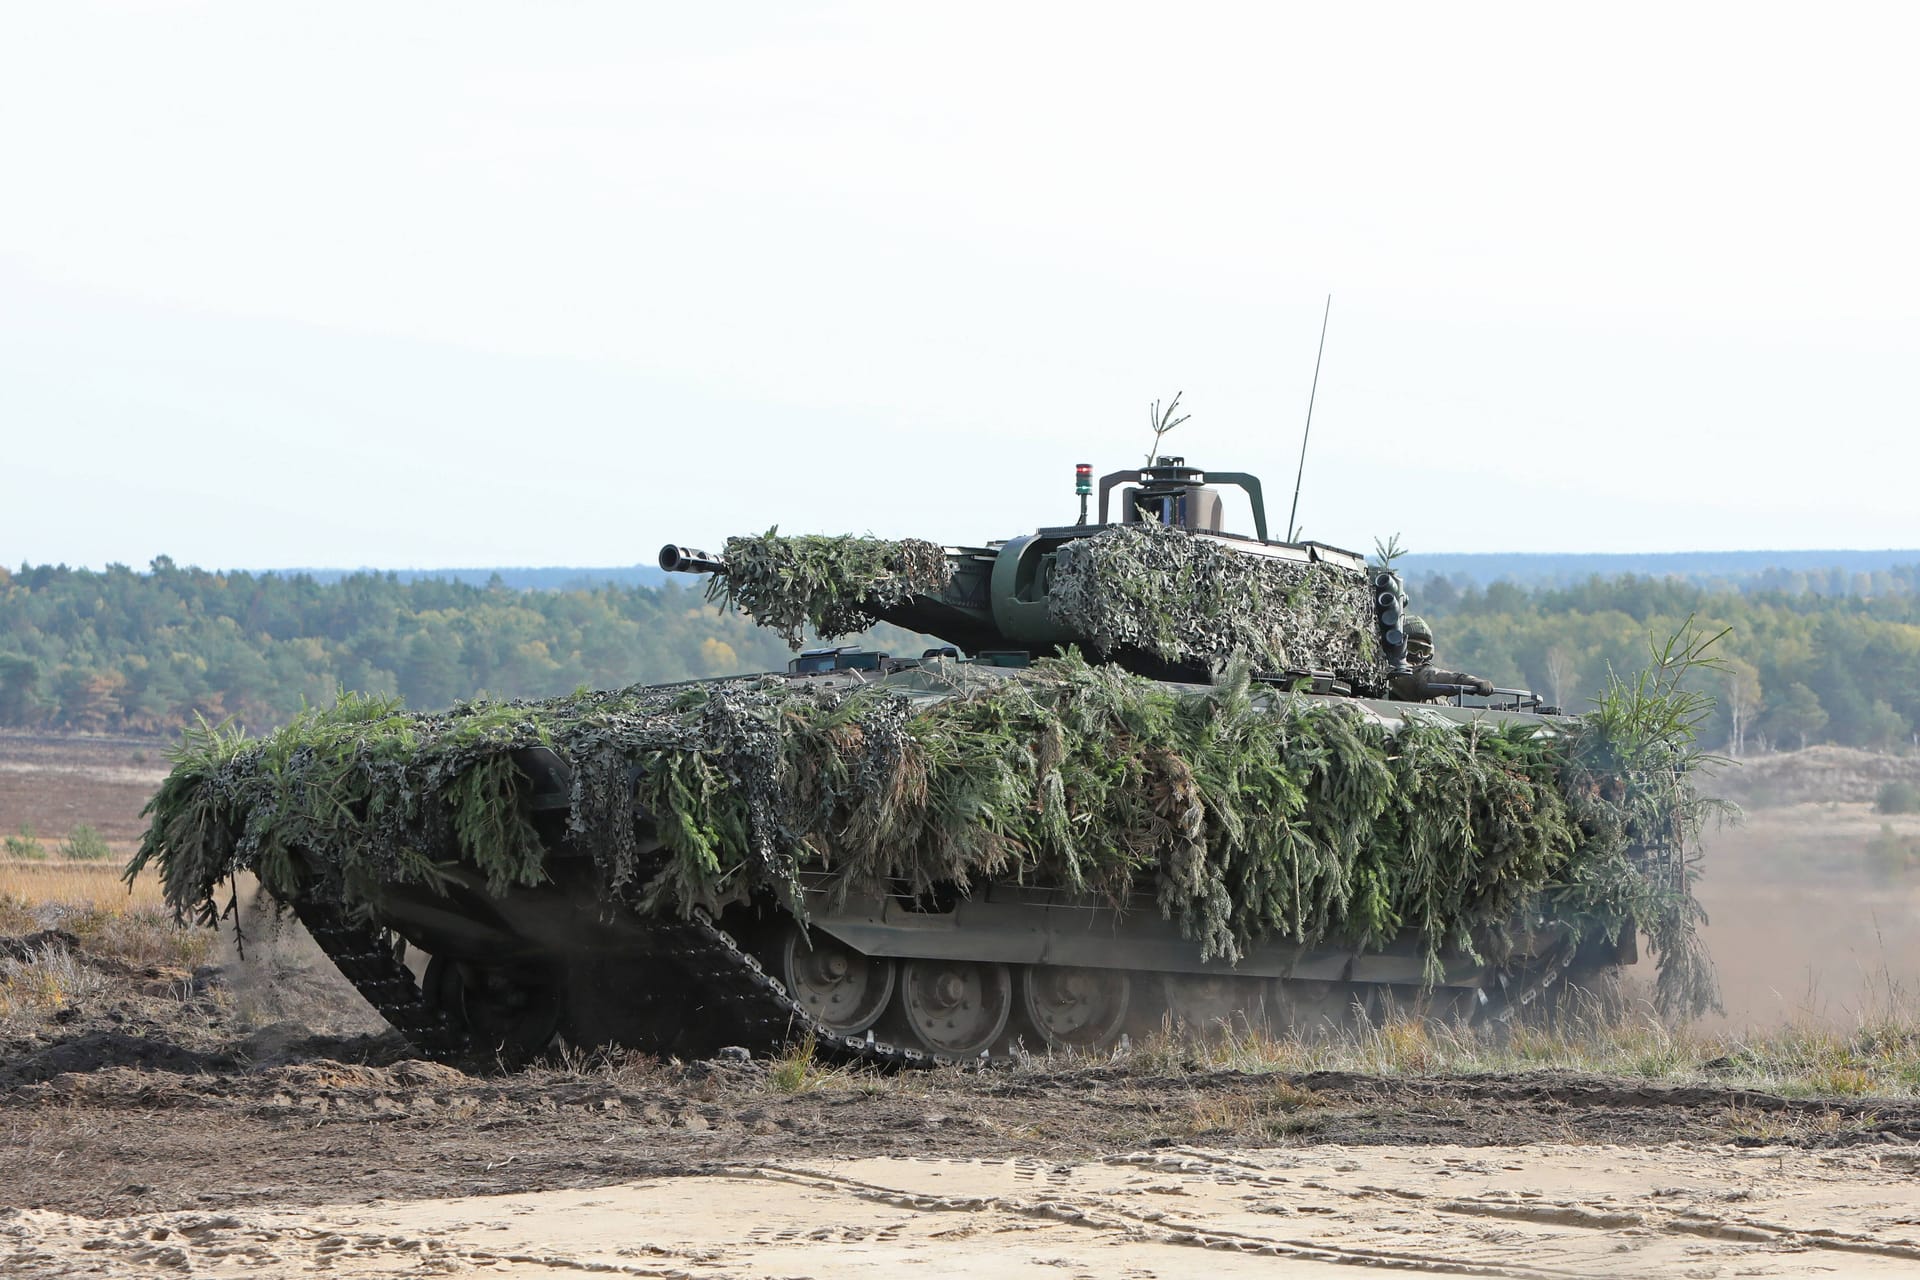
{"x":845,"y":991}
{"x":1070,"y":1008}
{"x":955,"y":1008}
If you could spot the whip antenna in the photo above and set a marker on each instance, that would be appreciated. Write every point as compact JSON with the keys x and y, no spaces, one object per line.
{"x":1293,"y":530}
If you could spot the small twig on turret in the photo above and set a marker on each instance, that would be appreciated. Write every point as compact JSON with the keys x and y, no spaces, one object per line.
{"x":1163,"y":422}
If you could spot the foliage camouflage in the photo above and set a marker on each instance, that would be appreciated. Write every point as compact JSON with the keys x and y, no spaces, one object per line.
{"x":1633,"y":788}
{"x":1247,"y":814}
{"x":1148,"y":586}
{"x":831,"y":584}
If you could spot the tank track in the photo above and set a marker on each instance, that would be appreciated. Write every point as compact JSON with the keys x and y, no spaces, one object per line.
{"x":745,"y":1005}
{"x":1516,"y":996}
{"x":758,"y":1011}
{"x":750,"y":1004}
{"x":767,"y":1018}
{"x":365,"y":956}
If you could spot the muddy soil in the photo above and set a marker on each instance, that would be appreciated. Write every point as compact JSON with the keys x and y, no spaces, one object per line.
{"x":160,"y":1089}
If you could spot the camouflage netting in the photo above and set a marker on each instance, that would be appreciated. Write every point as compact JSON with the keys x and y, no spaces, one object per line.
{"x":1246,"y":814}
{"x":829,"y":583}
{"x":1159,"y":589}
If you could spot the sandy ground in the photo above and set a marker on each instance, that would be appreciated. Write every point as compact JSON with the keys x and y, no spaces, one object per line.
{"x":252,"y":1120}
{"x":1536,"y":1210}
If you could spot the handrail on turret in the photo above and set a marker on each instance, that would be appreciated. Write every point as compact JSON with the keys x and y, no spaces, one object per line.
{"x":1181,"y":477}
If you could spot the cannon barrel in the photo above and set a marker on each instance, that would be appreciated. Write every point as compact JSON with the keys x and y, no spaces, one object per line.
{"x":676,"y":559}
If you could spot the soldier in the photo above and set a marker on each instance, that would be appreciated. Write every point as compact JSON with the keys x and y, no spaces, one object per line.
{"x":1419,"y":683}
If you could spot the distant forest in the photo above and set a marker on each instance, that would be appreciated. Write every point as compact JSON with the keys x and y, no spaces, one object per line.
{"x":1801,"y":666}
{"x":145,"y":652}
{"x":124,"y":651}
{"x":1826,"y":573}
{"x":1832,"y":573}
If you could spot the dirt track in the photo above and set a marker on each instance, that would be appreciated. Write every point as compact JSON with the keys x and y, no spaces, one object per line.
{"x":1539,"y":1211}
{"x":112,"y":1140}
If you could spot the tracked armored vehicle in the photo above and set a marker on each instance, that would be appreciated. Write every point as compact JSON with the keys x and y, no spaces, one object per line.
{"x":956,"y":853}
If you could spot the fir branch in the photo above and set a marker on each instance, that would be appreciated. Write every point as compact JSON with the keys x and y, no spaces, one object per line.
{"x":1163,"y":421}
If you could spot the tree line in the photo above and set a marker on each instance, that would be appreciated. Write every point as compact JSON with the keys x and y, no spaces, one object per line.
{"x":1800,"y":666}
{"x":145,"y":652}
{"x":121,"y":651}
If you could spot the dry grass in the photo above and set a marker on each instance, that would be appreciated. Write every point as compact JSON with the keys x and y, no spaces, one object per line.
{"x":47,"y":980}
{"x":89,"y":901}
{"x":799,"y":1070}
{"x":1280,"y":1110}
{"x":628,"y":1068}
{"x":87,"y":883}
{"x":1879,"y":1057}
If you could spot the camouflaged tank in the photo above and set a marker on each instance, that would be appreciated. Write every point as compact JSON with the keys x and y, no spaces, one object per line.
{"x":1150,"y":775}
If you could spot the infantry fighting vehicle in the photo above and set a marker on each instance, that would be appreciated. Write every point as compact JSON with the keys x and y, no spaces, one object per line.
{"x":914,"y":974}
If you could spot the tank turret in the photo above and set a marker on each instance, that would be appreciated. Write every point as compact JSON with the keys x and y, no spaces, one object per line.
{"x":1157,"y":584}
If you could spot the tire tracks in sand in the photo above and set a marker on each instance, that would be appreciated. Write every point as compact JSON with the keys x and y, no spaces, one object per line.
{"x":1542,"y":1211}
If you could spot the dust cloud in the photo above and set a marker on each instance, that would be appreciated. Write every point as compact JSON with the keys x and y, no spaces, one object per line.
{"x":1804,"y":927}
{"x":282,"y":985}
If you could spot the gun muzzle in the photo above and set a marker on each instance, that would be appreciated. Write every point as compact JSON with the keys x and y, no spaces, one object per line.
{"x":676,"y":559}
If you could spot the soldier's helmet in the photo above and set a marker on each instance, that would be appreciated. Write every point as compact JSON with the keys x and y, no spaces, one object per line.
{"x":1419,"y":637}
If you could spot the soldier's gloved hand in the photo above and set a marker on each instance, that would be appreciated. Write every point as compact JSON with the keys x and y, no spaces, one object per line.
{"x":1483,"y":687}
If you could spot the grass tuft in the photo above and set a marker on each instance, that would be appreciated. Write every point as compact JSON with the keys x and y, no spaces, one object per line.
{"x":1281,"y":1110}
{"x":799,"y":1070}
{"x":85,"y":844}
{"x":49,"y":978}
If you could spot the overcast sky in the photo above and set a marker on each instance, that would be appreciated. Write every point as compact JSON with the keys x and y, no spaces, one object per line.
{"x":411,"y":285}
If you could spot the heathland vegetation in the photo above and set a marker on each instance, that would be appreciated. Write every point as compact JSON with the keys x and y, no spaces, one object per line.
{"x":146,"y":652}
